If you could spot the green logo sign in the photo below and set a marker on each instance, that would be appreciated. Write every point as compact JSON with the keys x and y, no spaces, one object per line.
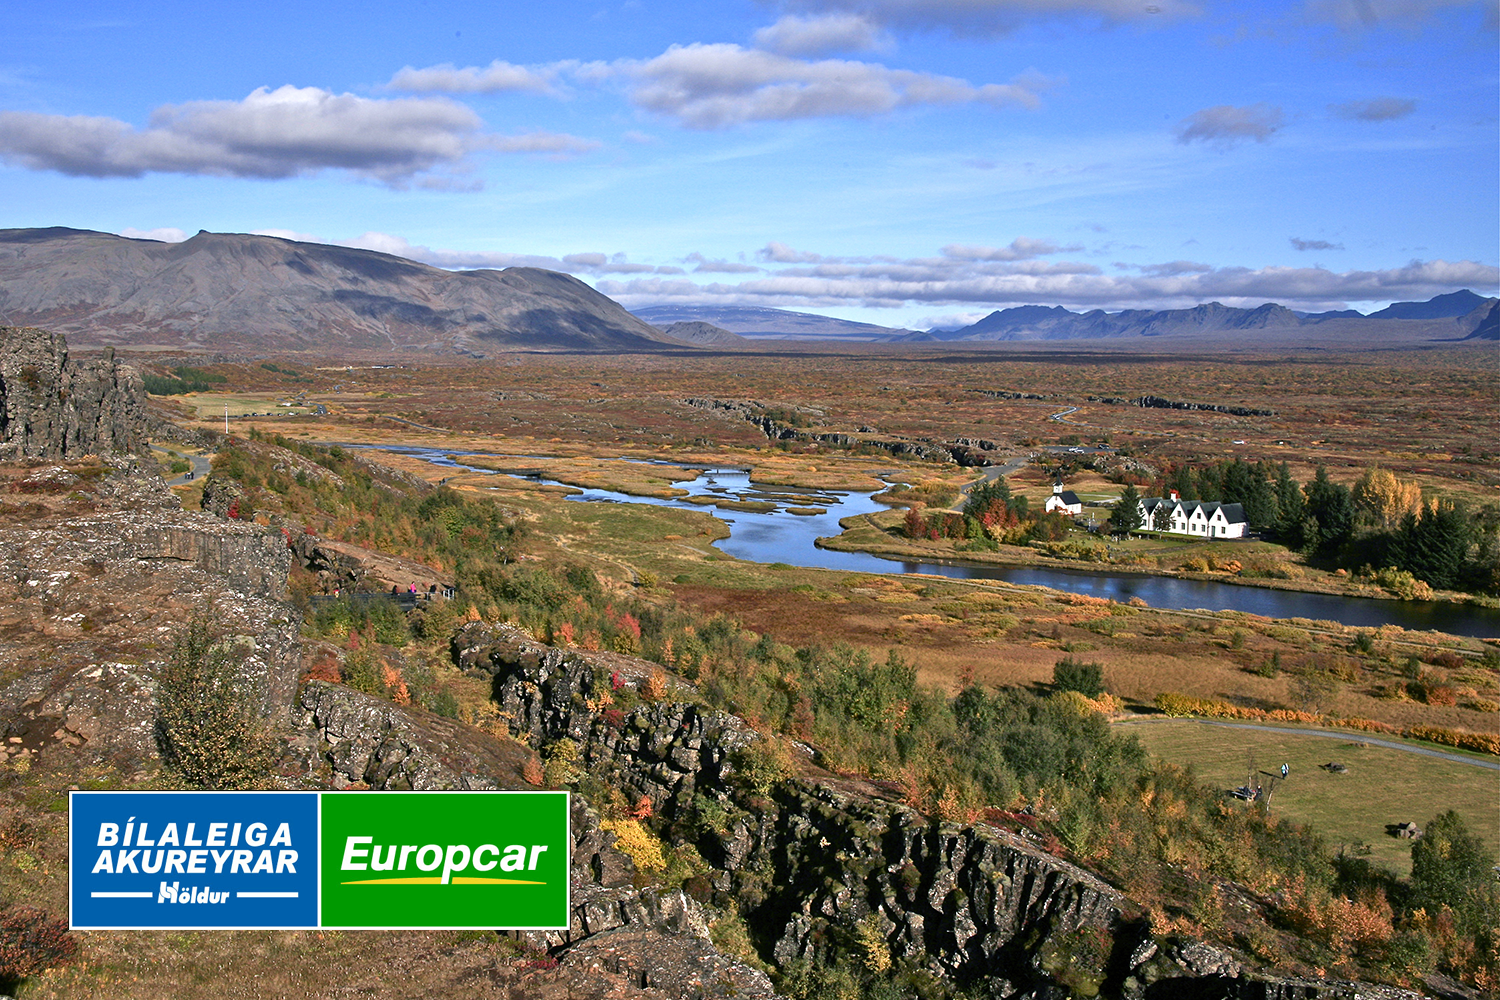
{"x":453,"y":860}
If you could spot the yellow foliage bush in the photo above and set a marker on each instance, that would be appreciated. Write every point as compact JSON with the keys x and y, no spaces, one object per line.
{"x":637,"y":843}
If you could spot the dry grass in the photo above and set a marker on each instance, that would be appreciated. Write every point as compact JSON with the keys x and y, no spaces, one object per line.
{"x":1381,"y":786}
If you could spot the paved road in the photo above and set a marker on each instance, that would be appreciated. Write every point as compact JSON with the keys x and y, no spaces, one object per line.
{"x":200,"y":464}
{"x":1346,"y":737}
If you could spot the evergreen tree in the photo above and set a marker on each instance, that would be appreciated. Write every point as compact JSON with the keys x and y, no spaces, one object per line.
{"x":1288,"y":523}
{"x":1245,"y":484}
{"x":1182,"y":481}
{"x":1126,"y":517}
{"x":1434,"y":545}
{"x":1450,"y":867}
{"x":1329,"y":515}
{"x":1208,"y":487}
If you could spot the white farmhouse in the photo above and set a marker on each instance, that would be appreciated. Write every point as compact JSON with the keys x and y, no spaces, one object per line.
{"x":1064,"y":500}
{"x":1190,"y":517}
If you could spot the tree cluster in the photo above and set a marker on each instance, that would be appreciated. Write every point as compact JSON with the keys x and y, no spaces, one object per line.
{"x":1381,"y":522}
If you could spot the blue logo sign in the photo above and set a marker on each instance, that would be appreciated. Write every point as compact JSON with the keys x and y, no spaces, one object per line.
{"x":183,"y":860}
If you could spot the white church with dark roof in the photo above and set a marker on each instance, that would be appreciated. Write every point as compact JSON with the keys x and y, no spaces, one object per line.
{"x":1064,"y":500}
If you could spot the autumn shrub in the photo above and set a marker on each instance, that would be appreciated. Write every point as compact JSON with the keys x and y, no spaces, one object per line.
{"x":31,"y":941}
{"x":561,"y":757}
{"x":638,"y":843}
{"x":762,"y":764}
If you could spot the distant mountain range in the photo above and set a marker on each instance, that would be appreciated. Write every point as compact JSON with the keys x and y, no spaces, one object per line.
{"x":236,"y":292}
{"x":220,"y":291}
{"x":1455,"y":317}
{"x":762,"y":323}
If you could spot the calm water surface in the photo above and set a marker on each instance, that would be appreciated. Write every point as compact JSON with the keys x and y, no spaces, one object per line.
{"x":779,"y":536}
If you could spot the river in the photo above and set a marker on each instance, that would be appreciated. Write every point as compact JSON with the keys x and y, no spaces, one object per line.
{"x":779,"y":536}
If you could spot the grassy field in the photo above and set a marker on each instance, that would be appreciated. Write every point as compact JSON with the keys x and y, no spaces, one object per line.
{"x":1382,"y":785}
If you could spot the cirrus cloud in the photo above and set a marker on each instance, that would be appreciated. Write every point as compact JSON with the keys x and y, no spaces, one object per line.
{"x":1021,"y":248}
{"x":1351,"y":15}
{"x":1300,"y":244}
{"x":987,"y":18}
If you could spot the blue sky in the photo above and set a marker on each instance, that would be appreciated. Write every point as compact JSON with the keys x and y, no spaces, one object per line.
{"x":905,"y":162}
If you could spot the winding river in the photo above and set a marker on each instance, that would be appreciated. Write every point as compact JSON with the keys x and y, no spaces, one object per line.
{"x":788,"y":533}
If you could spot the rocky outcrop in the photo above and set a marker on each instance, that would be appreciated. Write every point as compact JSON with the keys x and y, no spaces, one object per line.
{"x":962,"y":450}
{"x":653,"y":942}
{"x":804,"y":859}
{"x":811,"y":863}
{"x":1157,"y":403}
{"x":100,"y":570}
{"x":56,"y":407}
{"x":376,"y":742}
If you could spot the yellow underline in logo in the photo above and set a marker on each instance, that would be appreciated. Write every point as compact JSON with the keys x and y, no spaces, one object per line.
{"x":436,"y":880}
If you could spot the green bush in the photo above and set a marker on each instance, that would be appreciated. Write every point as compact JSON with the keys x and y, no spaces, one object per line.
{"x":208,"y":721}
{"x":1085,"y":678}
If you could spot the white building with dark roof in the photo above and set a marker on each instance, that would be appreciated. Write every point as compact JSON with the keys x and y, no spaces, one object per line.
{"x":1199,"y":519}
{"x":1064,"y":500}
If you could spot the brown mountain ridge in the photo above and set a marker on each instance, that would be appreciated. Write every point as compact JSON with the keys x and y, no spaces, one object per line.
{"x":223,"y":291}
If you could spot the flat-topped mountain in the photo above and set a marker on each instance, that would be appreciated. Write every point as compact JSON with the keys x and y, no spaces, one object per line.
{"x":234,"y":291}
{"x":765,"y":323}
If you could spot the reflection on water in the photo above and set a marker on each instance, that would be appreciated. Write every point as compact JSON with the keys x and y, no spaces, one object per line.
{"x":778,"y":536}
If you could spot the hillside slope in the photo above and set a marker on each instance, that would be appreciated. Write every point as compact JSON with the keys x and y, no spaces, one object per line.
{"x":239,"y":292}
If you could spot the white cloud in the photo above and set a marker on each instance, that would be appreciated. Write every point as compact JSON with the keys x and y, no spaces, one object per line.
{"x":1225,"y":125}
{"x":541,"y":142}
{"x":1171,"y":268}
{"x":271,"y":134}
{"x":499,"y":76}
{"x":704,"y":264}
{"x":591,"y":263}
{"x":820,"y":35}
{"x":287,"y":234}
{"x":986,"y":18}
{"x":165,"y":234}
{"x":710,"y":86}
{"x":1379,"y":109}
{"x":988,"y":284}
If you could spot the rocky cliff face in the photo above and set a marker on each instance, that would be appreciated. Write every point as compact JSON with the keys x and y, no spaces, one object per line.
{"x":622,"y":940}
{"x":56,"y":407}
{"x":807,"y":861}
{"x":813,"y":862}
